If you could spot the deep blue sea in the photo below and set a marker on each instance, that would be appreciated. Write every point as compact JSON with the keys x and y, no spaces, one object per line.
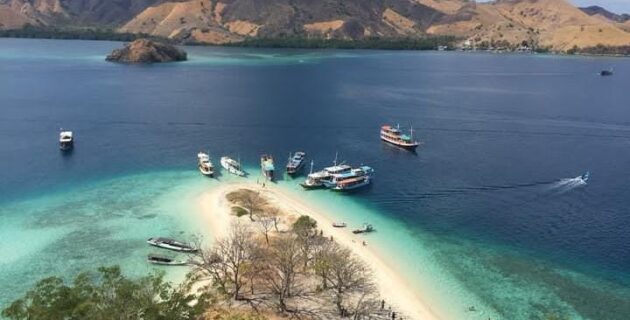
{"x":492,"y":195}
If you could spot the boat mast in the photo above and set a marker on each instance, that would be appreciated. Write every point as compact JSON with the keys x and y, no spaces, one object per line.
{"x":335,"y":162}
{"x":411,"y":131}
{"x":311,"y":167}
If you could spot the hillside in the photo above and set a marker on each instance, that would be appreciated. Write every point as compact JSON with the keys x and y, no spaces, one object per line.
{"x":553,"y":24}
{"x":544,"y":23}
{"x":620,"y":20}
{"x":232,"y":20}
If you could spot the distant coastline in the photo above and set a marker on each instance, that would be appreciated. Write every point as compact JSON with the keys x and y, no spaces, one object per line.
{"x":106,"y":34}
{"x":432,"y":43}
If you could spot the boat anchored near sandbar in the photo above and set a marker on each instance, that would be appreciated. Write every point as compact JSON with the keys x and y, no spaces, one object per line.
{"x":296,"y":162}
{"x":171,"y":244}
{"x":266,"y":165}
{"x":205,"y":165}
{"x":366,"y":228}
{"x":321,"y":179}
{"x":165,"y":261}
{"x":232,"y":166}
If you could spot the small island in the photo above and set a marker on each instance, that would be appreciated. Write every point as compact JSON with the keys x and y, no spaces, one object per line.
{"x":147,"y":51}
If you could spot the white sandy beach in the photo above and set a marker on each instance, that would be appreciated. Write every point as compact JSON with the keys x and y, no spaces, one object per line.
{"x":216,"y":211}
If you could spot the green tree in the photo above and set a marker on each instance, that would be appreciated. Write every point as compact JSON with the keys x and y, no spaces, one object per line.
{"x":108,"y":295}
{"x":304,"y":225}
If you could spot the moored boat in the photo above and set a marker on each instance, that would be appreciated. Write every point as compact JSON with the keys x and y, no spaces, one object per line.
{"x":314,"y":179}
{"x":166,"y":261}
{"x":171,"y":244}
{"x":205,"y":165}
{"x":352,"y":183}
{"x":232,"y":166}
{"x":364,"y":229}
{"x":394,"y":136}
{"x":321,"y":179}
{"x":66,"y":140}
{"x":337,"y":178}
{"x":339,"y":224}
{"x":266,"y":165}
{"x":296,"y":162}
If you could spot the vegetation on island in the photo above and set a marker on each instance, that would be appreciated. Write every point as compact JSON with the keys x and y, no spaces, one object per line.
{"x":269,"y":262}
{"x":108,"y":294}
{"x":73,"y":33}
{"x":603,"y":50}
{"x":96,"y":33}
{"x":424,"y":43}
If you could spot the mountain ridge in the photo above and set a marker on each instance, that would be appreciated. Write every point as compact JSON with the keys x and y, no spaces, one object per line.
{"x":553,"y":24}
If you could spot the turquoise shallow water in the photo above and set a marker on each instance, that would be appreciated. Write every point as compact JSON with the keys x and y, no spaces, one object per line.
{"x":97,"y":224}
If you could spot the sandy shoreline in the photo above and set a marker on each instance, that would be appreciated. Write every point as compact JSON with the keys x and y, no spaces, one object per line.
{"x":215,"y":211}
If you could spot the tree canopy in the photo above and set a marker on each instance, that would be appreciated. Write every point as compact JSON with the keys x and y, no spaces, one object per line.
{"x":108,"y":294}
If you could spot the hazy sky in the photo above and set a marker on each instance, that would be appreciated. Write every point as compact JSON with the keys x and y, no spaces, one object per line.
{"x":619,"y":6}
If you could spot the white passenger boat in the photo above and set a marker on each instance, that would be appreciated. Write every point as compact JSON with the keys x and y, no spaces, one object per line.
{"x":352,"y":183}
{"x":66,"y":140}
{"x":205,"y":165}
{"x":232,"y":166}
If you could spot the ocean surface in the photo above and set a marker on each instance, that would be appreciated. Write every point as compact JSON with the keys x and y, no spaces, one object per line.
{"x":490,"y":212}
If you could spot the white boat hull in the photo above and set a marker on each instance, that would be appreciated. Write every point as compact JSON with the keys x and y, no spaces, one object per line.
{"x":231,"y":168}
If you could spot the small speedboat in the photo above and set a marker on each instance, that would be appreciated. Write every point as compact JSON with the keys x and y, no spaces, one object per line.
{"x":205,"y":165}
{"x":586,"y":176}
{"x":364,"y":229}
{"x":232,"y":166}
{"x":608,"y":72}
{"x":171,"y":244}
{"x":162,"y":260}
{"x":339,"y":224}
{"x":66,"y":140}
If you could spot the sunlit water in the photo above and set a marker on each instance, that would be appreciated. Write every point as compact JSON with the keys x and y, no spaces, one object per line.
{"x":491,"y":211}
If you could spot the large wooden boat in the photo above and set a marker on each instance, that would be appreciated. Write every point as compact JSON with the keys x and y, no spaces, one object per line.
{"x":205,"y":165}
{"x":322,"y":179}
{"x":394,"y":136}
{"x":267,"y":167}
{"x":337,"y":178}
{"x":296,"y":162}
{"x":352,"y":183}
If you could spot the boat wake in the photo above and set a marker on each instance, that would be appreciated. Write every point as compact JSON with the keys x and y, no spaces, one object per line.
{"x":554,"y":187}
{"x":568,"y":184}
